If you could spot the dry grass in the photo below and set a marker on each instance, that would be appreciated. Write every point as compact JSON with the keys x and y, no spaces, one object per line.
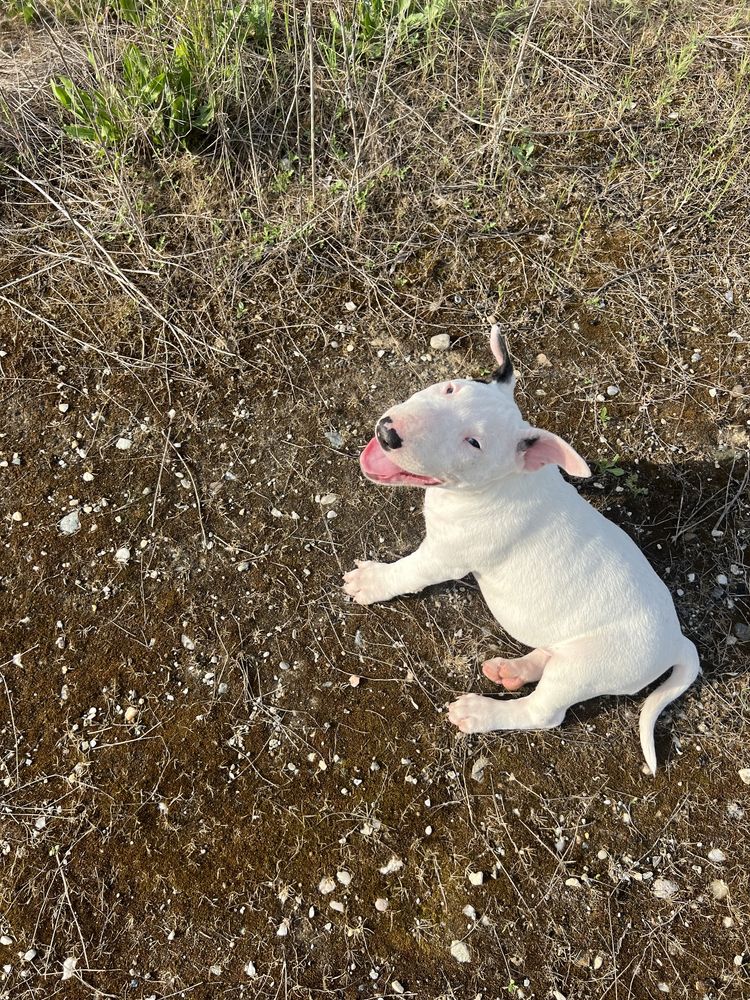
{"x":580,"y":172}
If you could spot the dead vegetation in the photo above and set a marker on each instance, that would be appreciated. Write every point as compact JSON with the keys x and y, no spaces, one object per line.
{"x":202,"y":306}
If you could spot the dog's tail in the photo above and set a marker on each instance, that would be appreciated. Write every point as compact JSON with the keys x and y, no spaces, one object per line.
{"x":682,"y":676}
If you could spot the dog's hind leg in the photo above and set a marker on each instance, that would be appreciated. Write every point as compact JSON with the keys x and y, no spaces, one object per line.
{"x":544,"y":708}
{"x":513,"y":674}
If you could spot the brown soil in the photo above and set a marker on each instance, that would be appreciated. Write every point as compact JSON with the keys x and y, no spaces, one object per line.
{"x":185,"y":752}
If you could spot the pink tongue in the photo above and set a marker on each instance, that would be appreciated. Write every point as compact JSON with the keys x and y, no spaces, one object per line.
{"x":376,"y":465}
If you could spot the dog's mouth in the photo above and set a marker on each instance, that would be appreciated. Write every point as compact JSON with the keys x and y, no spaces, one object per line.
{"x":378,"y":467}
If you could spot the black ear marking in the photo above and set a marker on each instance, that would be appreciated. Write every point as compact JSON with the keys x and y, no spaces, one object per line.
{"x":504,"y":373}
{"x":525,"y":443}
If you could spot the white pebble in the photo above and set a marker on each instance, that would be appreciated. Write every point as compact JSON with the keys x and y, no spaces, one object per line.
{"x":598,"y":963}
{"x":326,"y":885}
{"x":250,"y":970}
{"x":394,"y":865}
{"x":469,"y":911}
{"x":283,"y":928}
{"x":87,"y":477}
{"x":397,"y":987}
{"x":5,"y":940}
{"x":613,"y":390}
{"x":381,"y":905}
{"x":131,"y":713}
{"x":460,"y":952}
{"x":344,"y":877}
{"x":63,"y":407}
{"x":69,"y":967}
{"x":664,"y":888}
{"x":335,"y":905}
{"x":440,"y":342}
{"x":476,"y":878}
{"x":354,"y":680}
{"x":122,"y":555}
{"x":123,"y":443}
{"x":187,"y":642}
{"x":722,"y":580}
{"x":717,"y":856}
{"x":350,"y":306}
{"x":712,"y":392}
{"x":70,"y":523}
{"x":30,"y":955}
{"x":744,"y":773}
{"x":215,"y":970}
{"x":719,"y":889}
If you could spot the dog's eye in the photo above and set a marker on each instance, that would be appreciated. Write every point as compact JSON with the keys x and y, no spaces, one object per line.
{"x":474,"y":443}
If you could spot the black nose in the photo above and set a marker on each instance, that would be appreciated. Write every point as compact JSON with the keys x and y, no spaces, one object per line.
{"x":387,"y":435}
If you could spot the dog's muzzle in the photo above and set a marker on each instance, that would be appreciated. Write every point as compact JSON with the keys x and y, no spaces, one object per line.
{"x":387,"y":435}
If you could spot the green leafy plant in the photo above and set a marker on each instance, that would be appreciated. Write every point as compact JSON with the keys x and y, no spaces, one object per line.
{"x":364,"y":35}
{"x":168,"y":94}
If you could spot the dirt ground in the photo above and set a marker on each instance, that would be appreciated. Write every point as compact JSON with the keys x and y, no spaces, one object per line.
{"x":219,"y":777}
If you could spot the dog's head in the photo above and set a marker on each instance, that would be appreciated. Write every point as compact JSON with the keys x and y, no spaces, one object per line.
{"x":465,"y":433}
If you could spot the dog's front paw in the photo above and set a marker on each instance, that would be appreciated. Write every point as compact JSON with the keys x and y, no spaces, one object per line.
{"x":474,"y":714}
{"x":368,"y":583}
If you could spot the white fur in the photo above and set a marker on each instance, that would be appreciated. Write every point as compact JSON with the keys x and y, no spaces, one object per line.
{"x":556,"y":574}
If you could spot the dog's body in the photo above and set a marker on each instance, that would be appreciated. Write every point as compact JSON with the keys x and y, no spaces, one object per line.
{"x":556,"y":574}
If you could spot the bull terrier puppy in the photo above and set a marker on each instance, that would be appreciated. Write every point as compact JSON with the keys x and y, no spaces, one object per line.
{"x":557,"y":575}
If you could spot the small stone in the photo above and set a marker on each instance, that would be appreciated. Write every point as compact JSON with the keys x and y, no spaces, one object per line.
{"x":40,"y":822}
{"x":69,"y":967}
{"x":87,"y":477}
{"x":381,"y":905}
{"x":5,"y":940}
{"x":394,"y":865}
{"x":717,"y":856}
{"x":354,"y":680}
{"x":70,"y":523}
{"x":598,"y":963}
{"x":573,"y":882}
{"x":476,"y":878}
{"x":460,"y":952}
{"x":250,"y":970}
{"x":187,"y":642}
{"x":744,"y":773}
{"x":469,"y":911}
{"x":122,"y":555}
{"x":350,"y":306}
{"x":727,"y":922}
{"x":123,"y":443}
{"x":543,"y":360}
{"x":63,"y":407}
{"x":397,"y":987}
{"x":337,"y":906}
{"x":613,"y":390}
{"x":734,"y":809}
{"x":440,"y":342}
{"x":30,"y":955}
{"x":215,"y":970}
{"x":719,"y":889}
{"x":326,"y":885}
{"x":664,"y":888}
{"x":344,"y":877}
{"x":131,"y":713}
{"x":722,"y":580}
{"x":283,"y":928}
{"x":477,"y":768}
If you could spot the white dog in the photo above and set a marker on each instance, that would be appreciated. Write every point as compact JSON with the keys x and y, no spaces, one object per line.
{"x":557,"y":575}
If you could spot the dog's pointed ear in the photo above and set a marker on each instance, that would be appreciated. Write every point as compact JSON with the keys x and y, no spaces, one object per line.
{"x":539,"y":448}
{"x":503,"y":374}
